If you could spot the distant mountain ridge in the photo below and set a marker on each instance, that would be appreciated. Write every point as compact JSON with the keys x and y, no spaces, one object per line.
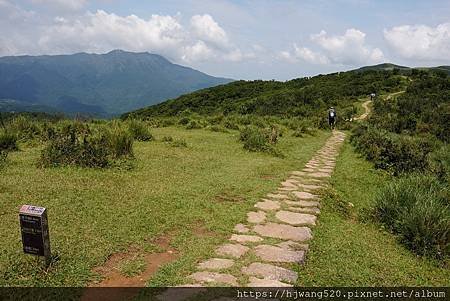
{"x":389,"y":66}
{"x":97,"y":84}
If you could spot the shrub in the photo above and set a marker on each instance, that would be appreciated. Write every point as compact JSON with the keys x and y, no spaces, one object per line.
{"x":167,"y":139}
{"x":193,"y":124}
{"x":8,"y":141}
{"x":139,"y":130}
{"x":260,"y":140}
{"x":184,"y":120}
{"x":25,"y":128}
{"x":439,"y":162}
{"x":396,"y":153}
{"x":179,"y":143}
{"x":3,"y":157}
{"x":75,"y":144}
{"x":68,"y":148}
{"x":417,"y":208}
{"x":120,"y":142}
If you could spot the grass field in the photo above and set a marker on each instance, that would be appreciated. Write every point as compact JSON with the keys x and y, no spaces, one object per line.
{"x":193,"y":195}
{"x":350,"y":250}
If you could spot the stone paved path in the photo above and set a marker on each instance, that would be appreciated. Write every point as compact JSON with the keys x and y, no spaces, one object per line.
{"x":277,"y":232}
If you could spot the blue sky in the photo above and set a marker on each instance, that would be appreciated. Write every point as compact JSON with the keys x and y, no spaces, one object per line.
{"x":265,"y":39}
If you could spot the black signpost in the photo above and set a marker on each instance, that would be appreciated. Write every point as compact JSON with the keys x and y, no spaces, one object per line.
{"x":34,"y":228}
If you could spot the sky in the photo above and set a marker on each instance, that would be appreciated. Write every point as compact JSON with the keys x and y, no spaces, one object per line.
{"x":248,"y":39}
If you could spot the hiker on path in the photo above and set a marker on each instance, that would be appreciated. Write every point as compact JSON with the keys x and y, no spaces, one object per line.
{"x":332,"y":117}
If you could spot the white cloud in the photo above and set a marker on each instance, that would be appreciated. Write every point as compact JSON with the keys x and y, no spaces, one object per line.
{"x":205,"y":28}
{"x":202,"y":40}
{"x":347,"y":49}
{"x":420,"y":42}
{"x":310,"y":56}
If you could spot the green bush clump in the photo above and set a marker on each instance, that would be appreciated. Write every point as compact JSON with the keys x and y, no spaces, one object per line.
{"x":179,"y":143}
{"x":3,"y":157}
{"x":193,"y":124}
{"x":396,"y":153}
{"x":76,"y":144}
{"x":260,"y":140}
{"x":8,"y":141}
{"x":439,"y":162}
{"x":119,"y":141}
{"x":417,"y":208}
{"x":71,"y":147}
{"x":139,"y":130}
{"x":167,"y":139}
{"x":25,"y":128}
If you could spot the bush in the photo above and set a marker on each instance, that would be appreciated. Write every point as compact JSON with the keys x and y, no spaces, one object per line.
{"x":218,"y":128}
{"x":193,"y":124}
{"x":120,"y":142}
{"x":69,"y":148}
{"x":396,"y":153}
{"x":167,"y":139}
{"x":25,"y":128}
{"x":260,"y":140}
{"x":3,"y":157}
{"x":439,"y":162}
{"x":139,"y":130}
{"x":179,"y":143}
{"x":75,"y":144}
{"x":417,"y":208}
{"x":8,"y":141}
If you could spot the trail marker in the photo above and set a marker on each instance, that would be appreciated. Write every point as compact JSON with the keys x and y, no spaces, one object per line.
{"x":34,"y":229}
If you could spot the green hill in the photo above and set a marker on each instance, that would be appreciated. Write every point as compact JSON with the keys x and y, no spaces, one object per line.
{"x":101,"y":84}
{"x":301,"y":97}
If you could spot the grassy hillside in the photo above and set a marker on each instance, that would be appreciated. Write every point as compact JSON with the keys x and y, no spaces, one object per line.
{"x":303,"y":97}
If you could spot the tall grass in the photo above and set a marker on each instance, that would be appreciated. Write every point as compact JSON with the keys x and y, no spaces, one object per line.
{"x":417,"y":208}
{"x":8,"y":141}
{"x":139,"y":130}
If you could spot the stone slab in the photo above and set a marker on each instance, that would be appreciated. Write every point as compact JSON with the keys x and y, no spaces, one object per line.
{"x":271,"y":272}
{"x":213,"y":277}
{"x":232,"y":250}
{"x":302,"y":195}
{"x":241,"y":228}
{"x":310,"y":210}
{"x":303,"y":203}
{"x":277,"y":254}
{"x":215,"y":264}
{"x":294,"y":218}
{"x":282,"y":231}
{"x":268,"y":205}
{"x":256,"y":217}
{"x":245,"y":238}
{"x":256,"y":282}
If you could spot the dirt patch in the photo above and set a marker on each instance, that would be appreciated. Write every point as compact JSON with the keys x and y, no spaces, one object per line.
{"x":201,"y":231}
{"x":113,"y":278}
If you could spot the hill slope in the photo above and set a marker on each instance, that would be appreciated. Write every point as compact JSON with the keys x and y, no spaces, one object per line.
{"x":302,"y":97}
{"x":109,"y":83}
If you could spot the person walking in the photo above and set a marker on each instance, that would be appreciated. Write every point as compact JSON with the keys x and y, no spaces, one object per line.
{"x":332,"y":117}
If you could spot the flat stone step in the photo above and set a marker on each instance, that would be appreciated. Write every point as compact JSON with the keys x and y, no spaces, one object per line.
{"x":282,"y":231}
{"x":215,"y":264}
{"x":303,"y":203}
{"x":245,"y":238}
{"x":213,"y":277}
{"x":232,"y":250}
{"x":278,"y":196}
{"x":268,"y":205}
{"x":256,"y":217}
{"x":296,"y":219}
{"x":320,"y":175}
{"x":302,"y":195}
{"x":277,"y":254}
{"x":310,"y":210}
{"x":293,"y":246}
{"x":241,"y":228}
{"x":271,"y":272}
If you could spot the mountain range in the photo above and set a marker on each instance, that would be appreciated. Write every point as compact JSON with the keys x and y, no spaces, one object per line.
{"x":96,"y":84}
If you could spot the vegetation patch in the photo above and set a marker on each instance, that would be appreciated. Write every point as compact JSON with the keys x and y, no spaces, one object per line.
{"x":139,"y":130}
{"x":417,"y":208}
{"x":260,"y":140}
